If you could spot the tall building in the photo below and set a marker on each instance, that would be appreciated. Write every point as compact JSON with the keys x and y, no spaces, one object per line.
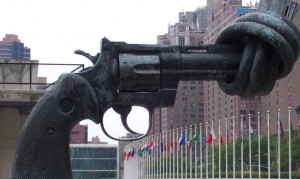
{"x":188,"y":108}
{"x":79,"y":134}
{"x":11,"y":47}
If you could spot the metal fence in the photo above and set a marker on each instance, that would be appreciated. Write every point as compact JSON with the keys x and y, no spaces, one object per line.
{"x":32,"y":75}
{"x":212,"y":150}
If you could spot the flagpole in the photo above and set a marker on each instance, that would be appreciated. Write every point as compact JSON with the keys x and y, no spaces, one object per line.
{"x":185,"y":148}
{"x":269,"y":161}
{"x":242,"y":147}
{"x":212,"y":154}
{"x":163,"y":154}
{"x":250,"y":163}
{"x":226,"y":156}
{"x":181,"y":155}
{"x":259,"y":162}
{"x":278,"y":139}
{"x":154,"y":157}
{"x":201,"y":152}
{"x":234,"y":140}
{"x":160,"y":156}
{"x":290,"y":149}
{"x":170,"y":152}
{"x":219,"y":148}
{"x":173,"y":150}
{"x":195,"y":159}
{"x":206,"y":151}
{"x":147,"y":160}
{"x":191,"y":150}
{"x":177,"y":148}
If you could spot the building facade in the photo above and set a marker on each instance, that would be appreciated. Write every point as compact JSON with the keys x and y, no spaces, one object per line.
{"x":188,"y":108}
{"x":94,"y":160}
{"x":11,"y":47}
{"x":79,"y":134}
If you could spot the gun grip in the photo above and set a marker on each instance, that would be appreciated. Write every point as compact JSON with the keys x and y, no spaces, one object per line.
{"x":43,"y":147}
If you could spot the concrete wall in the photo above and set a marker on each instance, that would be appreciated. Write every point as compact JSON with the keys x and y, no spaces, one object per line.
{"x":11,"y":122}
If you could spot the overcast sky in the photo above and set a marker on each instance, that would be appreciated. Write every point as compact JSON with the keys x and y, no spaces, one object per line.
{"x":53,"y":29}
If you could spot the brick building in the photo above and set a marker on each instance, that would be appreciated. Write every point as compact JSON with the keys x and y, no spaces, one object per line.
{"x":188,"y":107}
{"x":79,"y":134}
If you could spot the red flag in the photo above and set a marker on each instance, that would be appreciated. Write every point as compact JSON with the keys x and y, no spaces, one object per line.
{"x":211,"y":137}
{"x":124,"y":156}
{"x":221,"y":139}
{"x":128,"y":155}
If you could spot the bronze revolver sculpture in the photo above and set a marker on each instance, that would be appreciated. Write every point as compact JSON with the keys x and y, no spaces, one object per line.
{"x":247,"y":59}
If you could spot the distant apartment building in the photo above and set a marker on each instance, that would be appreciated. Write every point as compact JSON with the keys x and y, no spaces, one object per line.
{"x":11,"y":47}
{"x":79,"y":134}
{"x":188,"y":108}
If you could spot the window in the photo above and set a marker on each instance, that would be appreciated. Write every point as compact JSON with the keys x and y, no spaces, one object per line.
{"x":181,"y":41}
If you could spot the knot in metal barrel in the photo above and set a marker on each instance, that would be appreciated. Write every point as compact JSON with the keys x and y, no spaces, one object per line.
{"x":271,"y":47}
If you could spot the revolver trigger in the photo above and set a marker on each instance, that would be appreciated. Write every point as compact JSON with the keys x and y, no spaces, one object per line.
{"x":124,"y":110}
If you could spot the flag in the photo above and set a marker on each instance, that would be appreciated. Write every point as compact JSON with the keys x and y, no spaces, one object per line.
{"x":251,"y":132}
{"x":128,"y":155}
{"x":132,"y":152}
{"x":211,"y":137}
{"x":221,"y":139}
{"x":196,"y":136}
{"x":140,"y":152}
{"x":151,"y":144}
{"x":171,"y":148}
{"x":145,"y":147}
{"x":281,"y":130}
{"x":124,"y":156}
{"x":189,"y":142}
{"x":292,"y":130}
{"x":182,"y":139}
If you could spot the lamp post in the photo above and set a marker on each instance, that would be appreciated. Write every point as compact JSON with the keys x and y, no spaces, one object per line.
{"x":298,"y":112}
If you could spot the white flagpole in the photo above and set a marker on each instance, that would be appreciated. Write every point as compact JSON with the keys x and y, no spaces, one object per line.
{"x":177,"y":157}
{"x":250,"y":163}
{"x":220,"y":148}
{"x":206,"y":151}
{"x":181,"y":155}
{"x":195,"y":158}
{"x":185,"y":147}
{"x":226,"y":155}
{"x":160,"y":156}
{"x":242,"y":147}
{"x":269,"y":161}
{"x":290,"y":149}
{"x":259,"y":162}
{"x":163,"y":154}
{"x":170,"y":154}
{"x":154,"y":157}
{"x":166,"y":154}
{"x":191,"y":150}
{"x":147,"y":160}
{"x":278,"y":139}
{"x":201,"y":152}
{"x":233,"y":147}
{"x":173,"y":150}
{"x":212,"y":153}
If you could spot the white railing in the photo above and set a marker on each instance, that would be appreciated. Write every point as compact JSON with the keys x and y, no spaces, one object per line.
{"x":197,"y":152}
